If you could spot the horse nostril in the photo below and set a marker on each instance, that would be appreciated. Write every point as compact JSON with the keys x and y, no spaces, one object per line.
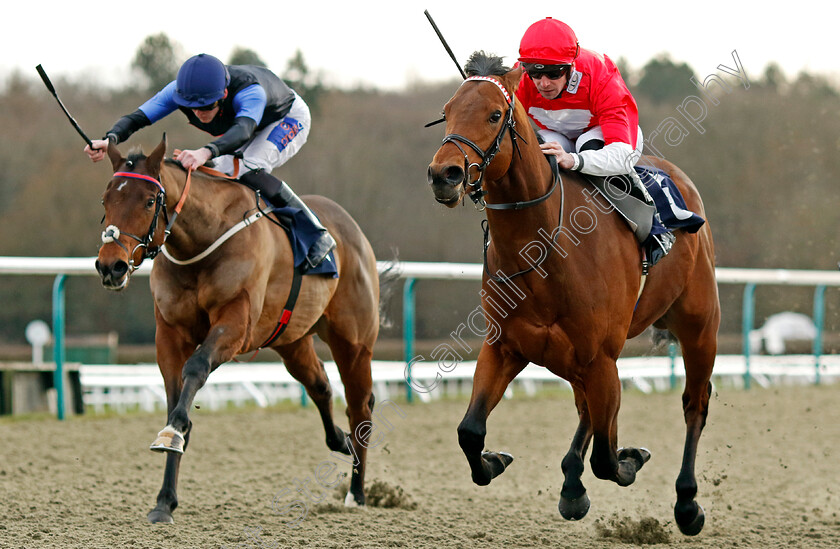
{"x":449,"y":176}
{"x":120,"y":268}
{"x":454,"y":175}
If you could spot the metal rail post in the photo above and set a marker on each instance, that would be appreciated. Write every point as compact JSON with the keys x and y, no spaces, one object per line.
{"x":408,"y":332}
{"x":58,"y":341}
{"x":748,"y":311}
{"x":819,"y":318}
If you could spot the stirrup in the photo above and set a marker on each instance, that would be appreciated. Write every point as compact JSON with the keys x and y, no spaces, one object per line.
{"x":659,"y":246}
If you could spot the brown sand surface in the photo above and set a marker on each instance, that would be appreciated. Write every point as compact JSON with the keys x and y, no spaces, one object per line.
{"x":767,"y":472}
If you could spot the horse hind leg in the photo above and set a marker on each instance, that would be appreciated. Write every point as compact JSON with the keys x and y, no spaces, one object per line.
{"x":353,"y":359}
{"x":304,"y":365}
{"x":698,"y":355}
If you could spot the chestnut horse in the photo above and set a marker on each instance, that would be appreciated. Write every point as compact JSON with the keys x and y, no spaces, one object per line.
{"x":230,"y":301}
{"x":570,"y":272}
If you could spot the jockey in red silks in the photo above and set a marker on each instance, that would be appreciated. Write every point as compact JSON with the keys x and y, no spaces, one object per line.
{"x":578,"y":99}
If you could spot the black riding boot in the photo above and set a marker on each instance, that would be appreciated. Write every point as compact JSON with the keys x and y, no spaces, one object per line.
{"x":281,"y":195}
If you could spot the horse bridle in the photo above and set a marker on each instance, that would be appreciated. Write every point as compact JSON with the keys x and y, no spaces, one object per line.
{"x":112,"y":232}
{"x":508,"y":126}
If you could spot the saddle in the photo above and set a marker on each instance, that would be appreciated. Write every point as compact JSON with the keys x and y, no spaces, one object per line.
{"x":651,"y":204}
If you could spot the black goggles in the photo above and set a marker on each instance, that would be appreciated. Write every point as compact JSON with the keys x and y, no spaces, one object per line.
{"x":552,"y":72}
{"x":209,"y":107}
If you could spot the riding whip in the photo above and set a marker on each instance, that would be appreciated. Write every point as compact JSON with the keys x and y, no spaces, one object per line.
{"x":50,"y":87}
{"x":445,"y":45}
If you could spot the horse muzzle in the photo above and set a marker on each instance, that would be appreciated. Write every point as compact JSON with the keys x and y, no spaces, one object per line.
{"x":446,"y":183}
{"x":114,"y":274}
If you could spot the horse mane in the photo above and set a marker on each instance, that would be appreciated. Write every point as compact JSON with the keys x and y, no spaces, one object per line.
{"x":485,"y":64}
{"x":177,"y":165}
{"x":174,"y":163}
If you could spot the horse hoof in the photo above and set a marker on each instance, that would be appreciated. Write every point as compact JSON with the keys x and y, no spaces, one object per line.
{"x":156,"y":516}
{"x":341,"y":443}
{"x":496,"y":462}
{"x":168,"y":440}
{"x":503,"y":457}
{"x":574,"y":509}
{"x":638,"y":455}
{"x":351,"y":501}
{"x":693,"y":528}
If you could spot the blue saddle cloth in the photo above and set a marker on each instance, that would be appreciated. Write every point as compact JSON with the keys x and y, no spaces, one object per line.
{"x":302,"y":234}
{"x":673,"y":213}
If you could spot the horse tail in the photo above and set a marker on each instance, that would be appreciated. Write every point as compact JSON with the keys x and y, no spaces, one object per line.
{"x":389,"y":274}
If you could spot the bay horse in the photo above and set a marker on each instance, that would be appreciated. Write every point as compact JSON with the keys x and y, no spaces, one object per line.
{"x":229,"y":301}
{"x":561,"y":284}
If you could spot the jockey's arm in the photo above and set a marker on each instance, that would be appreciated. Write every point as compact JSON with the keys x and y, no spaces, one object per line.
{"x":149,"y":112}
{"x":121,"y":130}
{"x":613,"y":159}
{"x":249,"y":105}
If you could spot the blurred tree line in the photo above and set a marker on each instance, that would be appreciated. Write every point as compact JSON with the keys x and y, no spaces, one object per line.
{"x":765,"y":165}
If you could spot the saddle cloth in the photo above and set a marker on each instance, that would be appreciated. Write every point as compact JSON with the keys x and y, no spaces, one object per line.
{"x":673,"y":213}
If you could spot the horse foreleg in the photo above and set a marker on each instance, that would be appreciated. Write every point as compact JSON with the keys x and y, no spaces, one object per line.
{"x":493,"y":374}
{"x":172,"y":352}
{"x":167,"y":499}
{"x":574,"y":503}
{"x":228,"y":326}
{"x":603,"y":398}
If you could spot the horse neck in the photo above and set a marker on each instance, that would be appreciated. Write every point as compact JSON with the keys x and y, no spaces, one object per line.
{"x":203,"y":215}
{"x":528,"y":178}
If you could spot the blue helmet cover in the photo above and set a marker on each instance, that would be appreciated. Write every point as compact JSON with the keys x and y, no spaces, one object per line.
{"x":202,"y":81}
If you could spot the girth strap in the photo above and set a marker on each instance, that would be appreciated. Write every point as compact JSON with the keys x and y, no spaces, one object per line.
{"x":286,"y":315}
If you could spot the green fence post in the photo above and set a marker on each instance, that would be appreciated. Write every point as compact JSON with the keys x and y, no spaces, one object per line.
{"x":408,"y":332}
{"x":672,"y":354}
{"x":748,"y":311}
{"x":58,"y":342}
{"x":819,"y":318}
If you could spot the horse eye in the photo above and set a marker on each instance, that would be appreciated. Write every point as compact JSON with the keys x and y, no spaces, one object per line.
{"x":150,"y":203}
{"x":496,"y":116}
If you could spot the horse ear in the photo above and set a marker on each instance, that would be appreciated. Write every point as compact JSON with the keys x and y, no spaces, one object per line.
{"x":155,"y":160}
{"x":115,"y":156}
{"x":512,"y":79}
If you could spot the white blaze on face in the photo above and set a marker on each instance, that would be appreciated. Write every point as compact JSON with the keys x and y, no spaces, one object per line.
{"x":123,"y":184}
